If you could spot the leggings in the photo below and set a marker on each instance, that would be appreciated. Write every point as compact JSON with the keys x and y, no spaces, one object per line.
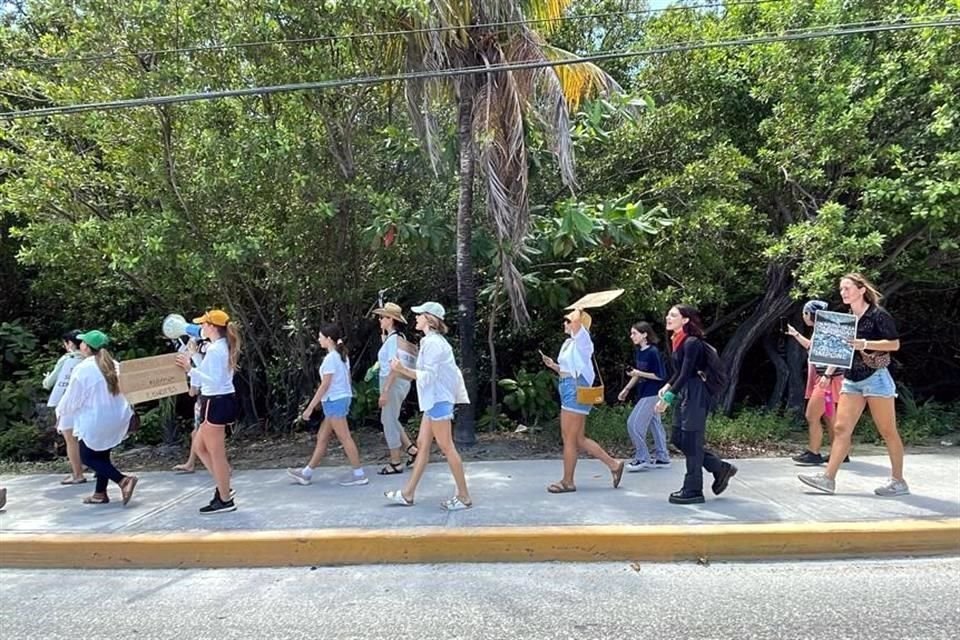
{"x":100,"y":462}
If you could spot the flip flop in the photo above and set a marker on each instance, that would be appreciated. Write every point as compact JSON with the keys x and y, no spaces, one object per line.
{"x":617,"y":475}
{"x":69,"y":481}
{"x":96,"y":499}
{"x":413,"y":456}
{"x":391,"y":469}
{"x":559,"y":487}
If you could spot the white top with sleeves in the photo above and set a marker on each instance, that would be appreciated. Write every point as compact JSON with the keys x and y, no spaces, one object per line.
{"x":58,"y":379}
{"x":575,"y":356}
{"x":388,"y":351}
{"x":214,"y":375}
{"x":98,"y":418}
{"x":340,"y":386}
{"x":438,"y":377}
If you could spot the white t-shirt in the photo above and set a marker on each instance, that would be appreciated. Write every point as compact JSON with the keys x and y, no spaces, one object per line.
{"x":388,"y":351}
{"x":576,"y":356}
{"x":59,"y":378}
{"x":340,"y":386}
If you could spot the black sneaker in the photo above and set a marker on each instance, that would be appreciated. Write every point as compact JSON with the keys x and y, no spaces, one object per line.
{"x":219,"y":506}
{"x":679,"y":497}
{"x":808,"y":459}
{"x":722,"y":479}
{"x":826,"y":459}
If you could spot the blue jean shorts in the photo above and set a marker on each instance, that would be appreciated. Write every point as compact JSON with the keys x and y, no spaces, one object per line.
{"x":568,"y":395}
{"x":440,"y":411}
{"x":338,"y":408}
{"x":879,"y":385}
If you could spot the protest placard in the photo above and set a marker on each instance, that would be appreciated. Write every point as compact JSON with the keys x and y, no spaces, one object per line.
{"x":830,"y":345}
{"x":144,"y":379}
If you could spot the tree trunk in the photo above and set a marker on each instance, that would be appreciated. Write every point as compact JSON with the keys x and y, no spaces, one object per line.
{"x":491,"y":345}
{"x":465,"y":430}
{"x":776,"y":356}
{"x":775,"y":303}
{"x":797,"y":361}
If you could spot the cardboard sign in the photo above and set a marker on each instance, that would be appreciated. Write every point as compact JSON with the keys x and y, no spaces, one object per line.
{"x":407,"y":354}
{"x":596,"y":299}
{"x":829,"y":346}
{"x":145,"y":379}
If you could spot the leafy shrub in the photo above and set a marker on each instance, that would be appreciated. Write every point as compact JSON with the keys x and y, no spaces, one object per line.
{"x":23,"y":441}
{"x":532,"y":396}
{"x":749,"y":426}
{"x":608,"y":425}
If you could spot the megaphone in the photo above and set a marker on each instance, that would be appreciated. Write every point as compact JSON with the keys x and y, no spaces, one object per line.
{"x":175,"y":325}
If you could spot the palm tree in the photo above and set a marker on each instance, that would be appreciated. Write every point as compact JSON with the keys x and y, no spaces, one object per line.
{"x":493,"y":110}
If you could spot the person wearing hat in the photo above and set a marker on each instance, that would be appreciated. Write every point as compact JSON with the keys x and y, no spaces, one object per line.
{"x":56,"y":382}
{"x":816,"y":395}
{"x":439,"y":387}
{"x":393,"y":389}
{"x":218,"y":401}
{"x":574,"y":365}
{"x":99,"y":413}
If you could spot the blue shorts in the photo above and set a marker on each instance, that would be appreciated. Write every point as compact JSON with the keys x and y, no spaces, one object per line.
{"x":568,"y":395}
{"x":338,"y":408}
{"x":440,"y":411}
{"x":880,"y":384}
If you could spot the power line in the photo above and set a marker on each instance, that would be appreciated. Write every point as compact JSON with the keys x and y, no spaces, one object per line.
{"x":950,"y":20}
{"x":101,"y":57}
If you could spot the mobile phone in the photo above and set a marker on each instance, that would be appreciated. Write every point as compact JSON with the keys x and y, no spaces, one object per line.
{"x":783,"y":324}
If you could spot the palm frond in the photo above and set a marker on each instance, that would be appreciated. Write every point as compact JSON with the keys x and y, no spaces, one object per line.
{"x":545,"y":10}
{"x":579,"y":80}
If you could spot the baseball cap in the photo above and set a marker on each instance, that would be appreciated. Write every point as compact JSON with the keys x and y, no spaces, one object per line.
{"x":812,"y":306}
{"x":215,"y":317}
{"x":94,"y":339}
{"x":433,"y":308}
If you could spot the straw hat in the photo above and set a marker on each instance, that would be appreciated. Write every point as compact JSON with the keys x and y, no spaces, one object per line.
{"x":391,"y":310}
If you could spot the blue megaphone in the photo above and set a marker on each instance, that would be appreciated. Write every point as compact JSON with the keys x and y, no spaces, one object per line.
{"x":175,"y":325}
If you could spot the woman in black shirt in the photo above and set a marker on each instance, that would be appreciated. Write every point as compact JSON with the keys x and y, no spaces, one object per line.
{"x":866,"y":384}
{"x":690,"y":418}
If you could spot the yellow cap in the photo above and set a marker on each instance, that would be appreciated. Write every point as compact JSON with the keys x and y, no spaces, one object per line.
{"x":215,"y":317}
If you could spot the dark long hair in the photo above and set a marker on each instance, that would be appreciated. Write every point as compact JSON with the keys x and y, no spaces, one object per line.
{"x":73,"y":337}
{"x":644,"y":327}
{"x":333,"y":332}
{"x":694,"y":326}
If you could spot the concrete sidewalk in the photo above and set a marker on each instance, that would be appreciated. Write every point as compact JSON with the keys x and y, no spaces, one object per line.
{"x":278,"y":522}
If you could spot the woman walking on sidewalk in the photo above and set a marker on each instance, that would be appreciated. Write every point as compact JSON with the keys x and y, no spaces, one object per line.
{"x":99,"y":413}
{"x":867,"y":384}
{"x":648,"y":368}
{"x":56,"y":382}
{"x":690,"y":417}
{"x":335,"y":393}
{"x":821,"y":400}
{"x":439,"y":387}
{"x":394,"y":389}
{"x":574,"y":365}
{"x":218,"y":401}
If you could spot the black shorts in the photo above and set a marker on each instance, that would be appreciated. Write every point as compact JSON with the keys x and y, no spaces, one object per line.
{"x":218,"y":410}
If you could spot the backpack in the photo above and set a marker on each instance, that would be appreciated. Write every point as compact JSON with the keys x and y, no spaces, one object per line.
{"x":714,"y":373}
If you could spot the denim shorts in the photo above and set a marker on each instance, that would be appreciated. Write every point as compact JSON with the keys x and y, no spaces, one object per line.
{"x":568,"y":395}
{"x":440,"y":411}
{"x":879,"y":385}
{"x":338,"y":408}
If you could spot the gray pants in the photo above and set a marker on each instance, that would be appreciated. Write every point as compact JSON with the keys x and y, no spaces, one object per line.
{"x":641,"y":419}
{"x":390,"y":413}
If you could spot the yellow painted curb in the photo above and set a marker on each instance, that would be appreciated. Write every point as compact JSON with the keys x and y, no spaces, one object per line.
{"x":486,"y":544}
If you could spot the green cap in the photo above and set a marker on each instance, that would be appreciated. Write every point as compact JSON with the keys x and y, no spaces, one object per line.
{"x":94,"y":339}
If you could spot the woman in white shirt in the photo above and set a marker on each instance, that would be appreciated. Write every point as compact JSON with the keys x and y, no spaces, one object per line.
{"x":574,"y":365}
{"x":218,"y":401}
{"x":56,"y":382}
{"x":335,"y":394}
{"x":394,"y":389}
{"x":439,"y":387}
{"x":99,"y":414}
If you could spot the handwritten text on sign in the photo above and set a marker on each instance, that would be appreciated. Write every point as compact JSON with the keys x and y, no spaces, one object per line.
{"x":146,"y":379}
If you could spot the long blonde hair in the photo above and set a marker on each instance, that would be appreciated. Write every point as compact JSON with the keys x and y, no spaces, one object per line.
{"x":872,"y":295}
{"x":108,"y":367}
{"x":235,"y":343}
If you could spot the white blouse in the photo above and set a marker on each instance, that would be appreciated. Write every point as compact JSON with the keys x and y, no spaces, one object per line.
{"x":575,"y":356}
{"x":438,"y":377}
{"x":99,"y":418}
{"x":214,"y":375}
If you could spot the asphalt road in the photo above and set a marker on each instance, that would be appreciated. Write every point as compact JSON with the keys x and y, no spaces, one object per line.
{"x":896,"y":599}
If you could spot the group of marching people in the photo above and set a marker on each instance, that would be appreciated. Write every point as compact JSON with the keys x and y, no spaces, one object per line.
{"x":94,"y":417}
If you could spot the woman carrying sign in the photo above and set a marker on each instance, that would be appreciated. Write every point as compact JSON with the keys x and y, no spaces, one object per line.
{"x":393,"y":389}
{"x":821,"y":400}
{"x":867,"y":384}
{"x":56,"y":382}
{"x":574,"y":365}
{"x":690,"y":418}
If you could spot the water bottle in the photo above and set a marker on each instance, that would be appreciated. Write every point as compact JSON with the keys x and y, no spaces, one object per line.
{"x":828,"y":402}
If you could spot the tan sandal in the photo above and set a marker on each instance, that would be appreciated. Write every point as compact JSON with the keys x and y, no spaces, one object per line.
{"x":617,"y":475}
{"x":97,"y":498}
{"x":559,"y":487}
{"x":127,"y":485}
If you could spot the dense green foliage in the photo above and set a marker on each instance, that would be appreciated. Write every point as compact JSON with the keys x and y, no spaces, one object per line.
{"x":741,"y":179}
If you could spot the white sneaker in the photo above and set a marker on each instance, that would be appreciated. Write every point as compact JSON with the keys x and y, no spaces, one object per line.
{"x":353,"y":480}
{"x":893,"y":488}
{"x":635,"y":465}
{"x":299,"y":477}
{"x":820,"y":482}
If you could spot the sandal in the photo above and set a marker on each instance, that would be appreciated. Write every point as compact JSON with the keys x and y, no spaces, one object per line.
{"x":455,"y":504}
{"x":97,"y":498}
{"x":127,"y":485}
{"x":391,"y":468}
{"x":71,"y":480}
{"x":397,"y":497}
{"x":617,"y":475}
{"x":183,"y":469}
{"x":413,"y":456}
{"x":559,"y":487}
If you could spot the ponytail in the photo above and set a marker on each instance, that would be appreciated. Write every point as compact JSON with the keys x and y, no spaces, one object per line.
{"x":334,"y":333}
{"x":234,"y":343}
{"x":108,"y":367}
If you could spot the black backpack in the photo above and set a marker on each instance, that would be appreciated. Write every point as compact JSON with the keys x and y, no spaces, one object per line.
{"x":714,"y":373}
